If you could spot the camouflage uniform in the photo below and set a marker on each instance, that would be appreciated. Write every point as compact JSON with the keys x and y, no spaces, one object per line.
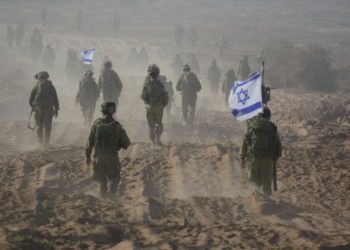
{"x":156,"y":98}
{"x":189,"y":85}
{"x":214,"y":77}
{"x":110,"y":84}
{"x":228,"y":84}
{"x":44,"y":101}
{"x":87,"y":96}
{"x":260,"y":164}
{"x":106,"y":161}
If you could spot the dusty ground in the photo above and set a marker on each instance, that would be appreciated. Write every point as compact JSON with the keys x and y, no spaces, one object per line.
{"x":187,"y":195}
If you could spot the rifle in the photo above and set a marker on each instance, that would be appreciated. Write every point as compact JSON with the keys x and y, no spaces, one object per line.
{"x":30,"y":116}
{"x":274,"y":176}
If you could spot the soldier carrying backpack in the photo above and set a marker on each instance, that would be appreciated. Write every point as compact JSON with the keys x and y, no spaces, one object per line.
{"x":44,"y":102}
{"x":189,"y":85}
{"x":261,"y":148}
{"x":107,"y":137}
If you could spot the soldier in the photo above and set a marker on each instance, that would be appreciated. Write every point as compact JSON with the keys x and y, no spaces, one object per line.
{"x":156,"y":98}
{"x":214,"y":75}
{"x":244,"y":69}
{"x":10,"y":36}
{"x":49,"y":57}
{"x":189,"y":85}
{"x":177,"y":65}
{"x":107,"y":137}
{"x":170,"y":90}
{"x":261,"y":147}
{"x":193,"y":62}
{"x":19,"y":33}
{"x":179,"y":34}
{"x":110,"y":84}
{"x":87,"y":96}
{"x":36,"y":44}
{"x":228,"y":84}
{"x":44,"y":102}
{"x":72,"y":64}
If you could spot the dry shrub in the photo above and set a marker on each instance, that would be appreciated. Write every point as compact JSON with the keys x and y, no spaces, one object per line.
{"x":303,"y":67}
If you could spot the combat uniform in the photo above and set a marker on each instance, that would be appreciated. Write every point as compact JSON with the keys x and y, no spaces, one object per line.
{"x":107,"y":137}
{"x":261,"y":155}
{"x":228,"y":84}
{"x":214,"y":77}
{"x":189,"y":85}
{"x":156,"y":98}
{"x":110,"y":84}
{"x":87,"y":96}
{"x":44,"y":102}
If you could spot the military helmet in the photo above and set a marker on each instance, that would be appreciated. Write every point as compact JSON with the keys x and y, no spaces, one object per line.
{"x":107,"y":64}
{"x":153,"y":70}
{"x":43,"y":75}
{"x":266,"y":113}
{"x":108,"y":108}
{"x":89,"y":73}
{"x":186,"y":68}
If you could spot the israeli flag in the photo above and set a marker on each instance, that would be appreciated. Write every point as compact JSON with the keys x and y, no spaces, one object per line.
{"x":88,"y":56}
{"x":245,"y":99}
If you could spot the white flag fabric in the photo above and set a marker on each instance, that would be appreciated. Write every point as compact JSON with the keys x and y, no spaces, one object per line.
{"x":88,"y":55}
{"x":245,"y":99}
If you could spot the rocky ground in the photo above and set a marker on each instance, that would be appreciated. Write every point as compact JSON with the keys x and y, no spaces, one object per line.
{"x":189,"y":194}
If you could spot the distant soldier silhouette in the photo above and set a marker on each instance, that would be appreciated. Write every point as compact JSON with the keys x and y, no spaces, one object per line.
{"x":36,"y":45}
{"x":179,"y":34}
{"x":228,"y":84}
{"x":177,"y":65}
{"x":193,"y":62}
{"x":10,"y":36}
{"x":19,"y":33}
{"x":107,"y":138}
{"x":170,"y":90}
{"x":214,"y":75}
{"x":189,"y":85}
{"x":44,"y":102}
{"x":110,"y":84}
{"x":72,"y":64}
{"x":49,"y":57}
{"x":244,"y":69}
{"x":87,"y":96}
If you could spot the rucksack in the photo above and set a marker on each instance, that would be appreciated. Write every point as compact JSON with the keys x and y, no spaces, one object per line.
{"x":262,"y":138}
{"x":105,"y":137}
{"x":44,"y":94}
{"x":189,"y":83}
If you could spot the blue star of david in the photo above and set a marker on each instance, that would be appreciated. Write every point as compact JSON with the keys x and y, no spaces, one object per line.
{"x":243,"y":96}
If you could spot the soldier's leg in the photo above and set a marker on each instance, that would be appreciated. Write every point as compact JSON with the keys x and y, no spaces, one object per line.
{"x":48,"y":126}
{"x":159,"y":124}
{"x":185,"y":109}
{"x":100,"y":175}
{"x":192,"y":106}
{"x":266,"y":175}
{"x":151,"y":123}
{"x":39,"y":124}
{"x":254,"y":174}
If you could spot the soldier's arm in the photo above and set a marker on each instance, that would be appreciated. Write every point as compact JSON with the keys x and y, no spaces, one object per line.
{"x":97,"y":90}
{"x":56,"y":103}
{"x":179,"y":84}
{"x":32,"y":96}
{"x":91,"y":142}
{"x":165,"y":96}
{"x":199,"y":86}
{"x":144,"y":93}
{"x":119,"y":83}
{"x":124,"y":139}
{"x":278,"y":152}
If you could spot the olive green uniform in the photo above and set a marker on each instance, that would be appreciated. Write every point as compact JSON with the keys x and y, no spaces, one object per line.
{"x":156,"y":98}
{"x":106,"y":161}
{"x":44,"y":102}
{"x":214,"y":75}
{"x":188,"y":84}
{"x":111,"y":85}
{"x":260,"y":165}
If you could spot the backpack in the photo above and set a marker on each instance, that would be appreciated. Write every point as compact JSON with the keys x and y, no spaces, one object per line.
{"x":189,"y":83}
{"x":262,"y":138}
{"x":105,"y":137}
{"x":44,"y":94}
{"x":155,"y":93}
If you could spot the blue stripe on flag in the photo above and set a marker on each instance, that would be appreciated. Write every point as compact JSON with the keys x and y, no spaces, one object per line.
{"x":246,"y":110}
{"x":87,"y":60}
{"x":252,"y":78}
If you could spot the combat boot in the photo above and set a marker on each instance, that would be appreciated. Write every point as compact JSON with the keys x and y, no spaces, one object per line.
{"x":152,"y":136}
{"x":159,"y":132}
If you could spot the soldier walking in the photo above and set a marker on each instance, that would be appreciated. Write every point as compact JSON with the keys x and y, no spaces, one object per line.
{"x":228,"y":84}
{"x":156,"y":98}
{"x":107,"y":137}
{"x":170,"y":90}
{"x":44,"y":102}
{"x":87,"y":96}
{"x":214,"y":75}
{"x":189,"y":85}
{"x":244,"y":69}
{"x":260,"y":149}
{"x":110,"y":84}
{"x":19,"y":34}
